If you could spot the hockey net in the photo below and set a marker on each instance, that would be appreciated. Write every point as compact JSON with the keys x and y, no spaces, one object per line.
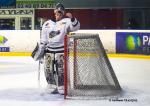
{"x":87,"y":70}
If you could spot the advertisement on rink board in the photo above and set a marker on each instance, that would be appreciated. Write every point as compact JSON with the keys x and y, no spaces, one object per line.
{"x":133,"y":42}
{"x":3,"y":40}
{"x":114,"y":41}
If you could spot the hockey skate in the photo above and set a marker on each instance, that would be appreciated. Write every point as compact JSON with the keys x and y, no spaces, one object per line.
{"x":55,"y":91}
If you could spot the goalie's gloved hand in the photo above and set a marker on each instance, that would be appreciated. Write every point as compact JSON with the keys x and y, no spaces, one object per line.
{"x":69,"y":15}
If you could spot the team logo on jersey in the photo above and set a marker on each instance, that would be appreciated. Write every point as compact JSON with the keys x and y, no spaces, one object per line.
{"x":63,"y":22}
{"x":54,"y":33}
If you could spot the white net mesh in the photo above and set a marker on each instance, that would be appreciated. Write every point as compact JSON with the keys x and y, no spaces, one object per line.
{"x":89,"y":70}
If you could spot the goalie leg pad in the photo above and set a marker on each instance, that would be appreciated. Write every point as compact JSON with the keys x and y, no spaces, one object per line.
{"x":54,"y":66}
{"x":50,"y":78}
{"x":60,"y":75}
{"x":48,"y":68}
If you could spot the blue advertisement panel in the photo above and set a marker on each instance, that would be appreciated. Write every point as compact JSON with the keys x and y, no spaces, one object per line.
{"x":133,"y":42}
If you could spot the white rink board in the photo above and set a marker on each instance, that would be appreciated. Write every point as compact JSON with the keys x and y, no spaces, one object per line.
{"x":26,"y":40}
{"x":20,"y":40}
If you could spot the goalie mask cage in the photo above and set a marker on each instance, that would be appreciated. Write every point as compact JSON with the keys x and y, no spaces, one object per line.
{"x":87,"y":70}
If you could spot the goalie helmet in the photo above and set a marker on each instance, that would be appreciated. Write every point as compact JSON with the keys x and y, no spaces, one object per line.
{"x":59,"y":8}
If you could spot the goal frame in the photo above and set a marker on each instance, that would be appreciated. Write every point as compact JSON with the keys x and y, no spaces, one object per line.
{"x":102,"y":52}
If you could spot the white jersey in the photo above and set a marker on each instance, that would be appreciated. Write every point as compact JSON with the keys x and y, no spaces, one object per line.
{"x":53,"y":33}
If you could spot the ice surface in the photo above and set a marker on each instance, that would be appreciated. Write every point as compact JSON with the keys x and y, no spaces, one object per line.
{"x":19,"y":84}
